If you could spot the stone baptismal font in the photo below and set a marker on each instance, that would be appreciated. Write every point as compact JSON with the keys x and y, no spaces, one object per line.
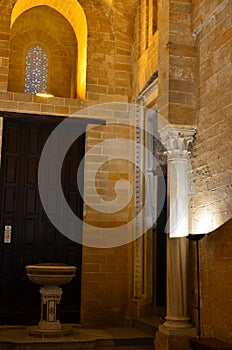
{"x":50,"y":276}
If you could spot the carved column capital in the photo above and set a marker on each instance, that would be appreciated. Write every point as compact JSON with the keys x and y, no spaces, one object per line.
{"x":178,"y":139}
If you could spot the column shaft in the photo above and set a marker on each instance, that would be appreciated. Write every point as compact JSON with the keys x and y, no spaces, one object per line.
{"x":177,"y":140}
{"x":177,"y":291}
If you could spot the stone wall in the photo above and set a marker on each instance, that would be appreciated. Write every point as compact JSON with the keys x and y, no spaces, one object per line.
{"x":105,"y":285}
{"x":211,"y":205}
{"x":109,"y":206}
{"x":211,"y":201}
{"x":145,"y":45}
{"x":176,"y":61}
{"x":170,"y":51}
{"x":216,"y":283}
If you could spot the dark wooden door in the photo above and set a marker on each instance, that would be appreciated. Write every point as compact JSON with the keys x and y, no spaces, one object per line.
{"x":34,"y":239}
{"x":160,"y":251}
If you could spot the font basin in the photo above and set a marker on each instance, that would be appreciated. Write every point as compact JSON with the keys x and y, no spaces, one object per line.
{"x":50,"y":274}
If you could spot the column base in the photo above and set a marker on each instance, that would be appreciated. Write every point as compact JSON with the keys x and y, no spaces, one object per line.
{"x":170,"y":338}
{"x":50,"y":326}
{"x":177,"y":323}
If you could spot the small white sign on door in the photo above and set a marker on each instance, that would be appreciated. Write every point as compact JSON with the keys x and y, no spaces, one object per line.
{"x":7,"y":234}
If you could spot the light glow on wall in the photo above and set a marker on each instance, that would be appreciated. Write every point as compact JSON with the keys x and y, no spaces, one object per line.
{"x":44,"y":94}
{"x":204,"y":220}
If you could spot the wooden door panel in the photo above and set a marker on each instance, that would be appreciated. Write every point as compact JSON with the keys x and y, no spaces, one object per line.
{"x":32,"y":166}
{"x":10,"y":200}
{"x":12,"y":140}
{"x":34,"y":239}
{"x":11,"y":167}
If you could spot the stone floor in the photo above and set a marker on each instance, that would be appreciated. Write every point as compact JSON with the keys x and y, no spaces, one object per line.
{"x":127,"y":347}
{"x":17,"y":338}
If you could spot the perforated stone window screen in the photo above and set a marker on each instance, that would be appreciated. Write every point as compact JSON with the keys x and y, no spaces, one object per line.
{"x":36,"y":70}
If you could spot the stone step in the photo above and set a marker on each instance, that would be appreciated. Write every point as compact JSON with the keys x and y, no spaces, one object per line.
{"x":82,"y":338}
{"x":131,"y":347}
{"x":71,"y":346}
{"x":148,"y":324}
{"x":209,"y":344}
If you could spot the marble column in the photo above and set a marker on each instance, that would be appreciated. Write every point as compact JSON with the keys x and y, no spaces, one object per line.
{"x":177,"y":140}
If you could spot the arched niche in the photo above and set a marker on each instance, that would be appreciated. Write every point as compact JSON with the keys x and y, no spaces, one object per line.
{"x":74,"y":13}
{"x":46,"y":28}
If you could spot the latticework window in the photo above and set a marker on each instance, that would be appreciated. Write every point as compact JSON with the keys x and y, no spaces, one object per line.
{"x":36,"y":70}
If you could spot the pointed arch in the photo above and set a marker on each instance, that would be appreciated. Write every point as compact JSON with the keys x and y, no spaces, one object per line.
{"x":75,"y":15}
